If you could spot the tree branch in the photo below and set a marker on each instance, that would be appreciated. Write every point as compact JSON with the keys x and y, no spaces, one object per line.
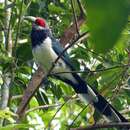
{"x":78,"y":115}
{"x":56,"y":113}
{"x":108,"y":125}
{"x":70,"y":32}
{"x":42,"y":107}
{"x":93,"y":71}
{"x":29,"y":92}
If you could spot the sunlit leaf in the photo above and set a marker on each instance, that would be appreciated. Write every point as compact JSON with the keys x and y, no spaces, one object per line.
{"x":12,"y":126}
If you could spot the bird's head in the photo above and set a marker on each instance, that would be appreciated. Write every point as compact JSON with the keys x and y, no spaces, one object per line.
{"x":37,"y":22}
{"x":40,"y":30}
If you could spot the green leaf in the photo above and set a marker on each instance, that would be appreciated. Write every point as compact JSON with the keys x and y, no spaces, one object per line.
{"x":42,"y":97}
{"x":106,"y":20}
{"x":118,"y":103}
{"x":5,"y":62}
{"x":56,"y":90}
{"x":25,"y":69}
{"x":24,"y":52}
{"x":55,"y":9}
{"x":12,"y":126}
{"x":8,"y":115}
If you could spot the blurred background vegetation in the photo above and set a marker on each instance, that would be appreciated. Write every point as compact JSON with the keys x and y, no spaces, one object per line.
{"x":102,"y":59}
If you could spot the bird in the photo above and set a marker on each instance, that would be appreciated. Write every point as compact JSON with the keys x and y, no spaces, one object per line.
{"x":46,"y":49}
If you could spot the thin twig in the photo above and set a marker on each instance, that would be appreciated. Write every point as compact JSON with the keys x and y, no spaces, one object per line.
{"x":16,"y":97}
{"x":75,"y":18}
{"x":28,"y":5}
{"x":81,"y":8}
{"x":42,"y":107}
{"x":78,"y":115}
{"x":56,"y":113}
{"x":115,"y":94}
{"x":92,"y":71}
{"x":69,"y":46}
{"x":118,"y":88}
{"x":100,"y":57}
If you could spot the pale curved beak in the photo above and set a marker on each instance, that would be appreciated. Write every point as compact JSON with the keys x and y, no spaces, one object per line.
{"x":30,"y":18}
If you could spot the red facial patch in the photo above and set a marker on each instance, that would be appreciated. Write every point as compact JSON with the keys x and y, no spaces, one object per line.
{"x":40,"y":22}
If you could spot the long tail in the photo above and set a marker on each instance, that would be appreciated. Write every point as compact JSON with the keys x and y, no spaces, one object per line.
{"x":103,"y":106}
{"x":90,"y":95}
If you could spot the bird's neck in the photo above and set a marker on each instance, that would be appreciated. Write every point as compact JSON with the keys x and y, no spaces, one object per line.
{"x":38,"y":36}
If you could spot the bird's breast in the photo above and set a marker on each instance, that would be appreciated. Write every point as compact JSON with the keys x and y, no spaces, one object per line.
{"x":46,"y":56}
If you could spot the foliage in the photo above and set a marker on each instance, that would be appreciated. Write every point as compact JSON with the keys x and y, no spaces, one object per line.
{"x":7,"y":115}
{"x":12,"y":126}
{"x":106,"y":13}
{"x":109,"y":33}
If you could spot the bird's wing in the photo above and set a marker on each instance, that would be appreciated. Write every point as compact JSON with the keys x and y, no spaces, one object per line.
{"x":58,"y":50}
{"x":65,"y":57}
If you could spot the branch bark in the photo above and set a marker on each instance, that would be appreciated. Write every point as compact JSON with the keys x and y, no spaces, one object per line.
{"x":71,"y":31}
{"x":108,"y":125}
{"x":30,"y":91}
